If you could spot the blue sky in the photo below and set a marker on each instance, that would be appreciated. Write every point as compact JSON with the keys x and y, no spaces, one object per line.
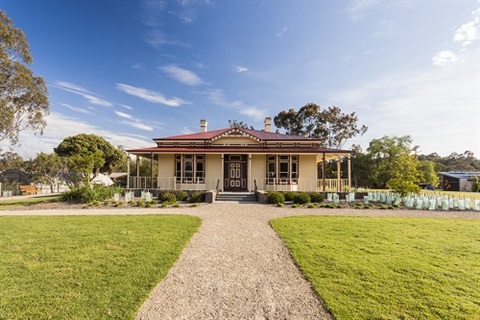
{"x":131,"y":71}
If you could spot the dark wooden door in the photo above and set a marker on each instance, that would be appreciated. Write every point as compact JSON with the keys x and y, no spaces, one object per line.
{"x":235,"y":176}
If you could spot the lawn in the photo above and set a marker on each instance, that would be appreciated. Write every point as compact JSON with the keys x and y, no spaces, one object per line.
{"x":16,"y":203}
{"x":85,"y":267}
{"x":389,"y":268}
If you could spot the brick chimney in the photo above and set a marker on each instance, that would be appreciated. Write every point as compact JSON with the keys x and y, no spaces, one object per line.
{"x":268,"y":124}
{"x":203,"y":125}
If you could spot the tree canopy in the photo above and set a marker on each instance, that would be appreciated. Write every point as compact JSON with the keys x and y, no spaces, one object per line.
{"x":89,"y":154}
{"x":331,"y":124}
{"x":23,"y":96}
{"x":47,"y":168}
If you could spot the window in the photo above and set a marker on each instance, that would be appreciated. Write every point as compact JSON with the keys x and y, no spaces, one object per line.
{"x":282,"y":169}
{"x":271,"y":169}
{"x":190,"y":168}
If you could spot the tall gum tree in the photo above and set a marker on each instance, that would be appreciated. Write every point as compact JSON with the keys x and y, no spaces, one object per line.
{"x":23,"y":96}
{"x":331,"y":124}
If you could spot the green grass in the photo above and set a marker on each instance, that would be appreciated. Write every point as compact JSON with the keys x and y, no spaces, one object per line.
{"x":389,"y":268}
{"x":85,"y":267}
{"x":16,"y":203}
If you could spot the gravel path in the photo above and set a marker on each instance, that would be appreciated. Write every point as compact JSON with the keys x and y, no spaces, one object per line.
{"x":235,"y":266}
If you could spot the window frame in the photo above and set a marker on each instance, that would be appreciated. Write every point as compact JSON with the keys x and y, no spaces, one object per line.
{"x":192,"y":162}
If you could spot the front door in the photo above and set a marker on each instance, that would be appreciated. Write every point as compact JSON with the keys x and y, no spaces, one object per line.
{"x":235,"y":174}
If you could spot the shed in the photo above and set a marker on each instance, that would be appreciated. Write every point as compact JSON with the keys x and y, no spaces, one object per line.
{"x":458,"y":180}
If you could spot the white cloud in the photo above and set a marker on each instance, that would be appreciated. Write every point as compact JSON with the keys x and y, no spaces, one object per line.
{"x":138,"y":125}
{"x":126,"y":107}
{"x":186,"y":130}
{"x":133,"y":122}
{"x":182,"y":75}
{"x":360,"y":8}
{"x":149,"y":95}
{"x":240,"y":69}
{"x":123,"y":115}
{"x":444,"y":57}
{"x":468,"y":32}
{"x":282,"y":32}
{"x":438,"y":107}
{"x":76,"y":89}
{"x":158,"y":38}
{"x":76,"y":109}
{"x":254,"y":113}
{"x":60,"y":126}
{"x":216,"y":96}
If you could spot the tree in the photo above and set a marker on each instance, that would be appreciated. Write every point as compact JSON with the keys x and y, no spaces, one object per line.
{"x":89,"y":154}
{"x":331,"y":125}
{"x":23,"y":96}
{"x":383,"y":153}
{"x":48,"y":169}
{"x":404,"y":175}
{"x":428,"y":173}
{"x":238,"y":124}
{"x":11,"y":160}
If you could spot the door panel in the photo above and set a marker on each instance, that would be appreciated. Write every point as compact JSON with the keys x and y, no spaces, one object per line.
{"x":235,"y":179}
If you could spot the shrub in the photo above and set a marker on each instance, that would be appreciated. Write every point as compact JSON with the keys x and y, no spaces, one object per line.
{"x":194,"y":205}
{"x":275,"y":197}
{"x":180,"y":195}
{"x":106,"y":203}
{"x":301,"y":198}
{"x":108,"y":192}
{"x":176,"y":205}
{"x":382,"y":206}
{"x":168,"y":198}
{"x":311,"y":206}
{"x":289,"y":195}
{"x":140,"y":203}
{"x":280,"y":205}
{"x":316,"y":197}
{"x":131,"y":202}
{"x":148,"y":205}
{"x":197,"y":197}
{"x":87,"y":194}
{"x":154,"y":202}
{"x":80,"y":195}
{"x":295,"y":205}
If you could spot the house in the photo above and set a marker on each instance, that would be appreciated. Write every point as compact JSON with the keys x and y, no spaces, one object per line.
{"x":458,"y":181}
{"x":239,"y":159}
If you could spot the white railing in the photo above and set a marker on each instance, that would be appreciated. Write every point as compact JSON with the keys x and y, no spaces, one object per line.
{"x":302,"y":184}
{"x":171,"y":183}
{"x":174,"y":183}
{"x":332,"y":185}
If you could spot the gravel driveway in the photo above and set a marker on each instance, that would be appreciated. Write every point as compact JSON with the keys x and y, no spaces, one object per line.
{"x":235,"y":266}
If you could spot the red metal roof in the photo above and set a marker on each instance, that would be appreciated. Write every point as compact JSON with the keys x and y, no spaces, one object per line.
{"x":259,"y":136}
{"x":262,"y":135}
{"x":236,"y":149}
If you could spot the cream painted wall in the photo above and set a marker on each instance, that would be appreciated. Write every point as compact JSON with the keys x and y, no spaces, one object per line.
{"x":166,"y":171}
{"x":213,"y":171}
{"x":307,"y":176}
{"x":258,"y":170}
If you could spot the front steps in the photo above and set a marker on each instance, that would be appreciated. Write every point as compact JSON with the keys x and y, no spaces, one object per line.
{"x":236,"y":197}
